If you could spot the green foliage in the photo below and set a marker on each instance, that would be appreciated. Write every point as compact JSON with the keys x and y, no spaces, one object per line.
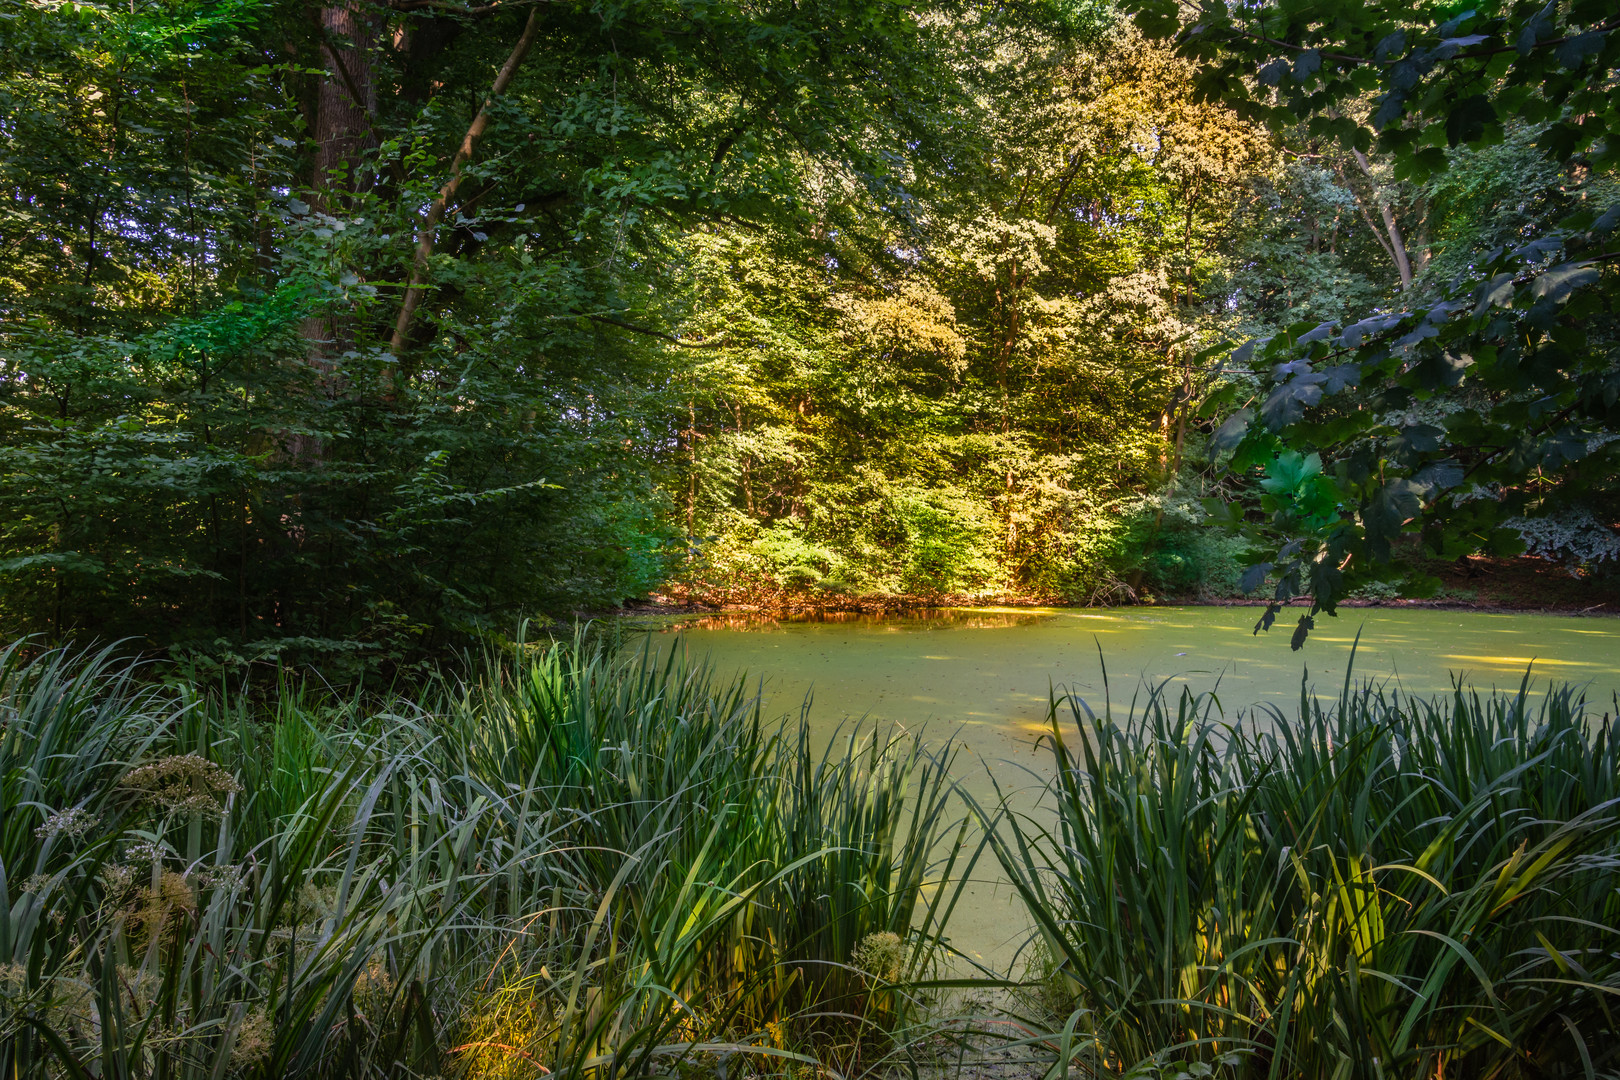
{"x":256,"y":401}
{"x":968,"y":411}
{"x":1416,"y":80}
{"x":1175,"y":552}
{"x":1483,"y":397}
{"x":1302,"y":249}
{"x":353,"y":332}
{"x":1526,"y":360}
{"x":571,"y":864}
{"x":1387,"y":886}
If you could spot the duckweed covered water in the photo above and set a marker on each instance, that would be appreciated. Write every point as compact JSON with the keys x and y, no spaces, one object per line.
{"x":984,"y":676}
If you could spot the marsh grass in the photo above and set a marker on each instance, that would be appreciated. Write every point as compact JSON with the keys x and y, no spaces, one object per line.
{"x":1382,"y":887}
{"x":580,"y":862}
{"x":569,"y":863}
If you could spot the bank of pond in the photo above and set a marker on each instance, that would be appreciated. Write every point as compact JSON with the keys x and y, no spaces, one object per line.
{"x":571,"y":860}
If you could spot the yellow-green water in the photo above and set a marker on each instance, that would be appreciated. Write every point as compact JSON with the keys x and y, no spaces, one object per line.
{"x":983,"y":676}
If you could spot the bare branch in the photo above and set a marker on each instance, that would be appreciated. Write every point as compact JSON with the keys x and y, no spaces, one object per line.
{"x":424,"y":247}
{"x":649,"y":332}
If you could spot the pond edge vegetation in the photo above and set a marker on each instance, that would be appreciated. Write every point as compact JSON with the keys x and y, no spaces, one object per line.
{"x":571,"y":861}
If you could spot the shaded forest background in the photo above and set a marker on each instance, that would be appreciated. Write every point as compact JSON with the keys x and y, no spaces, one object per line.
{"x":360,"y":332}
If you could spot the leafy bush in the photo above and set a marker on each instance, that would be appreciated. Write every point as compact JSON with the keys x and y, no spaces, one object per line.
{"x":1152,"y":546}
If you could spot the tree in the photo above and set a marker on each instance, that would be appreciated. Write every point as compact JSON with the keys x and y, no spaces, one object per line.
{"x":1489,"y":397}
{"x":991,"y":402}
{"x":339,"y":330}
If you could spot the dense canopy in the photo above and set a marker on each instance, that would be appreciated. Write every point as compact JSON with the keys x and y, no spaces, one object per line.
{"x":362,"y":331}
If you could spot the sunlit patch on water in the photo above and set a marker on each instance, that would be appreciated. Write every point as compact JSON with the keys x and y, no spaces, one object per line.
{"x":1521,"y":661}
{"x":982,"y":677}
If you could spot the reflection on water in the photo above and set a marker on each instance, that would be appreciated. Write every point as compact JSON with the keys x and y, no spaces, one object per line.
{"x":892,"y":622}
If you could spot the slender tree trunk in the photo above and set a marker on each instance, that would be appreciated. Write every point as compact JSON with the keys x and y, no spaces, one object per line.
{"x":1396,"y":247}
{"x":691,"y":480}
{"x":1420,"y":236}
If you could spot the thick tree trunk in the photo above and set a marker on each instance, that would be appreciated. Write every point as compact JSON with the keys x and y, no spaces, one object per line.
{"x":346,"y":98}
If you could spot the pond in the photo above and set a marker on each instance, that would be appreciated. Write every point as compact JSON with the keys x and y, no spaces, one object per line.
{"x":983,"y":676}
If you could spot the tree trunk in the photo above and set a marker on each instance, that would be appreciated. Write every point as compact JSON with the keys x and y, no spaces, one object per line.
{"x":1396,"y":247}
{"x":345,"y":100}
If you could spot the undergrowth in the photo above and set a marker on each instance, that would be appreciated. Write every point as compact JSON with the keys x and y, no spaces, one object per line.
{"x":581,"y":862}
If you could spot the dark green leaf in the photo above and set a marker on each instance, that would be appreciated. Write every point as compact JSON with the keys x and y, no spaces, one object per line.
{"x":1287,"y":403}
{"x":1450,"y":47}
{"x":1355,"y":333}
{"x":1496,"y":292}
{"x":1453,"y":24}
{"x":1580,"y":48}
{"x":1254,"y":577}
{"x":1557,"y":283}
{"x":1231,"y":431}
{"x":1340,"y":377}
{"x":1268,"y":617}
{"x":1468,"y":119}
{"x":1539,"y":26}
{"x":1389,"y":47}
{"x":1391,"y":107}
{"x":1301,"y":632}
{"x":1406,"y":75}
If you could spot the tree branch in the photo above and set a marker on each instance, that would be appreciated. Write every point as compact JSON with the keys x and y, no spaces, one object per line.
{"x":649,"y":332}
{"x":424,"y":247}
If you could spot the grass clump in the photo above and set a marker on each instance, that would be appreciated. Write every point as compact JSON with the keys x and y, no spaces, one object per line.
{"x":570,"y":863}
{"x":1387,"y":887}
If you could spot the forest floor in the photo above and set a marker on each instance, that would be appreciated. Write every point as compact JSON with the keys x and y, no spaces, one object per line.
{"x":1473,"y":584}
{"x":1513,"y":584}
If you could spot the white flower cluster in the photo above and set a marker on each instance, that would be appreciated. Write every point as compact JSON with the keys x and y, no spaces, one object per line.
{"x":1574,"y":537}
{"x":72,"y":823}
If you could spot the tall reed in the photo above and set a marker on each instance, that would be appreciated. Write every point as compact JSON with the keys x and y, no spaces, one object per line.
{"x":570,"y":863}
{"x":1383,"y":887}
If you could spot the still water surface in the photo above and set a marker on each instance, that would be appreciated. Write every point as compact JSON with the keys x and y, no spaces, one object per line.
{"x":983,"y":677}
